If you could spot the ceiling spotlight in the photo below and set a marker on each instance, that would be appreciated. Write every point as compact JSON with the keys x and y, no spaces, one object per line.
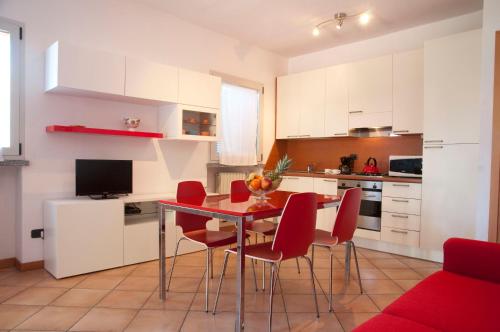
{"x":364,"y":18}
{"x":339,"y":18}
{"x":315,"y":32}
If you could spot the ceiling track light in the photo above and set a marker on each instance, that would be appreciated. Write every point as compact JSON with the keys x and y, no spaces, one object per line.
{"x":339,"y":18}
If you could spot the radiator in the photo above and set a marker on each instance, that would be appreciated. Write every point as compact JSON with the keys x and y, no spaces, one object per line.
{"x":224,"y":180}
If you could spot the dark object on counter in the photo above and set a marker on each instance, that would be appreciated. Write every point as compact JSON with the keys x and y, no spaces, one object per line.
{"x":371,"y":166}
{"x":347,"y":164}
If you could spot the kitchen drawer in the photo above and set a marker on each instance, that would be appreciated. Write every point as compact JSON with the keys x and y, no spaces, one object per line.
{"x":297,"y":184}
{"x":401,"y":221}
{"x":401,"y":189}
{"x":401,"y":205}
{"x":399,"y":236}
{"x":325,"y":186}
{"x":136,"y":249}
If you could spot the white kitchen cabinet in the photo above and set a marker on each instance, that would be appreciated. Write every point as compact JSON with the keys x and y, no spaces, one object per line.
{"x":78,"y":70}
{"x":449,"y":193}
{"x":325,"y":218}
{"x":400,"y":236}
{"x":401,"y":205}
{"x":408,"y":78}
{"x":199,"y":89}
{"x":402,"y":190}
{"x":370,"y":93}
{"x":187,"y":122}
{"x":301,"y":105}
{"x":337,"y":101}
{"x":451,"y":89}
{"x":151,"y":81}
{"x":297,"y":184}
{"x":401,"y":221}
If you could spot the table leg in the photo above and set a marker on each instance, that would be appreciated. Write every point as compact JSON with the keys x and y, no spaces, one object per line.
{"x":161,"y":254}
{"x":240,"y":276}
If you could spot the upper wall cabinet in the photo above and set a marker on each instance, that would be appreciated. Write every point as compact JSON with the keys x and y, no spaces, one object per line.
{"x":73,"y":69}
{"x":199,"y":89}
{"x":151,"y":81}
{"x":301,"y":104}
{"x":408,"y":80}
{"x":370,"y":93}
{"x":451,"y":91}
{"x":336,"y":101}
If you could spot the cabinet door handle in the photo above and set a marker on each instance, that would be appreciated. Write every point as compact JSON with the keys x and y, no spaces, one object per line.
{"x":400,"y":200}
{"x":400,"y":185}
{"x":434,"y":141}
{"x":433,"y":147}
{"x":400,"y":131}
{"x":339,"y":134}
{"x":352,"y":112}
{"x":399,"y":216}
{"x":330,"y":180}
{"x":369,"y":196}
{"x":291,"y":178}
{"x":398,"y":231}
{"x":304,"y":135}
{"x":291,"y":136}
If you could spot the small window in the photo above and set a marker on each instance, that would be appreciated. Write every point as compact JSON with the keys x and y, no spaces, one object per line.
{"x":10,"y":68}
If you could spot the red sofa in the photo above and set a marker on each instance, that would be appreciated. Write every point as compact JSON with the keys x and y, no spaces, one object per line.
{"x":464,"y":296}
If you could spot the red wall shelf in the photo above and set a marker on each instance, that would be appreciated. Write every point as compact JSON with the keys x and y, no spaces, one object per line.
{"x":100,"y":131}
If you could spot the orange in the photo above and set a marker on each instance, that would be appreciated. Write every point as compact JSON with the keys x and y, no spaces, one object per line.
{"x":255,"y":184}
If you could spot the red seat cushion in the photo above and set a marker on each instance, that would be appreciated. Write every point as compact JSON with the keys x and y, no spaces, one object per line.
{"x":324,"y":238}
{"x":212,"y":238}
{"x":451,"y":302}
{"x":390,"y":323}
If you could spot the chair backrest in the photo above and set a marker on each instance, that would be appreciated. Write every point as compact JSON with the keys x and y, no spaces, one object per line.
{"x":239,"y":191}
{"x":190,"y":192}
{"x":347,"y":215}
{"x":295,"y":232}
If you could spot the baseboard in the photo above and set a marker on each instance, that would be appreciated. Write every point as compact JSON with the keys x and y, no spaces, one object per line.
{"x":29,"y":266}
{"x":7,"y":262}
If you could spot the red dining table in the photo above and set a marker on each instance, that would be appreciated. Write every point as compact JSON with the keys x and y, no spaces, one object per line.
{"x":236,"y":208}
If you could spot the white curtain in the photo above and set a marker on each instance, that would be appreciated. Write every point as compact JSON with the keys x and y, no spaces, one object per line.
{"x":239,"y":125}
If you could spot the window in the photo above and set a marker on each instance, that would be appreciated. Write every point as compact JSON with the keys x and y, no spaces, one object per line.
{"x":239,"y":144}
{"x":10,"y":65}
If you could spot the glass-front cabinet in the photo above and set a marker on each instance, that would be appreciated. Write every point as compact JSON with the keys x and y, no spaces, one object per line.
{"x":186,"y":122}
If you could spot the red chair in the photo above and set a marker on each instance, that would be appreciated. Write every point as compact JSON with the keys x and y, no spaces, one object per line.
{"x":342,"y":232}
{"x":294,"y":235}
{"x":239,"y":191}
{"x":194,"y":229}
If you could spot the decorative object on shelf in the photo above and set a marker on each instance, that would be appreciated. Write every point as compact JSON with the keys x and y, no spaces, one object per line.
{"x":339,"y":18}
{"x":205,"y":133}
{"x":132,"y":123}
{"x":205,"y":121}
{"x":260,"y":185}
{"x":371,"y":166}
{"x":100,"y":131}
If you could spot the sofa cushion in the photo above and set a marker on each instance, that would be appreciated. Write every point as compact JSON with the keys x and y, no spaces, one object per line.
{"x":389,"y":323}
{"x":451,"y":302}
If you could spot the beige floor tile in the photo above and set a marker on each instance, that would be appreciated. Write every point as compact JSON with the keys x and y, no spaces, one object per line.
{"x":197,"y":321}
{"x":402,"y":274}
{"x":157,"y":320}
{"x":327,"y":322}
{"x":192,"y":260}
{"x":407,"y":284}
{"x":36,"y":296}
{"x":371,"y":286}
{"x":174,"y":301}
{"x":427,"y":271}
{"x":147,"y":271}
{"x":371,"y":274}
{"x":105,"y":319}
{"x":419,"y":263}
{"x":364,"y":263}
{"x":53,"y":318}
{"x":388,"y":263}
{"x":13,"y":315}
{"x":138,"y":284}
{"x":4,"y":273}
{"x":185,"y":285}
{"x":383,"y":300}
{"x":304,"y":303}
{"x":99,"y":282}
{"x":27,"y":278}
{"x":7,"y":292}
{"x":80,"y":298}
{"x":118,"y":272}
{"x":340,"y":287}
{"x":299,"y":286}
{"x":124,"y":299}
{"x":353,"y":303}
{"x":260,"y":321}
{"x":351,"y":320}
{"x":254,"y":302}
{"x":61,"y":283}
{"x":374,"y":254}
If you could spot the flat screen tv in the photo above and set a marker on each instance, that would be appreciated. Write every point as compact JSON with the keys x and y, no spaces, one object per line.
{"x":103,"y":178}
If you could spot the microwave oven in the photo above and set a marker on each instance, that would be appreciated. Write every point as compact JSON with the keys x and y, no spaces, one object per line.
{"x":406,"y":166}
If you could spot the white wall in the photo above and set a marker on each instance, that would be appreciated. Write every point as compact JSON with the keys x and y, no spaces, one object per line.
{"x":391,"y":43}
{"x":125,"y":27}
{"x":8,"y":194}
{"x":491,"y":24}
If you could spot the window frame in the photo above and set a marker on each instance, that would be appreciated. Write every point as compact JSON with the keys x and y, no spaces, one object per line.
{"x":259,"y":87}
{"x":16,"y":30}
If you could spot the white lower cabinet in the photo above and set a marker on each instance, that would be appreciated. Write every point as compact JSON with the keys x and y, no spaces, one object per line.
{"x":401,"y":205}
{"x":325,"y":218}
{"x":400,"y":236}
{"x":297,"y":184}
{"x":401,"y":221}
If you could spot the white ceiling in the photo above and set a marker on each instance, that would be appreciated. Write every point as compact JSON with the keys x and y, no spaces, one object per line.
{"x":284,"y":26}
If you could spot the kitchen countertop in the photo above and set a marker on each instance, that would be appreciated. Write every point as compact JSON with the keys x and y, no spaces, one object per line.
{"x":384,"y":178}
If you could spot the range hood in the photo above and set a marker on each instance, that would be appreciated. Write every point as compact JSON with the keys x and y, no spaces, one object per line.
{"x":371,"y":132}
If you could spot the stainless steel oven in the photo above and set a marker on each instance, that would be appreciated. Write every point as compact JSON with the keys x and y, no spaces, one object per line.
{"x":370,"y":212}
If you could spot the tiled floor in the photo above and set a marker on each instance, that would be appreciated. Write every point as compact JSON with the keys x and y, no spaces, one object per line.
{"x":126,"y":299}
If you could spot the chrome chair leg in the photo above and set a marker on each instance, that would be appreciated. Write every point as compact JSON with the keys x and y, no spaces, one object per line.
{"x":226,"y":256}
{"x":173,"y":263}
{"x":274,"y":277}
{"x":253,"y":261}
{"x":312,"y":254}
{"x":313,"y":284}
{"x":298,"y":267}
{"x":264,"y":270}
{"x":330,"y":291}
{"x":211,"y":263}
{"x":357,"y":266}
{"x":207,"y":277}
{"x":347,"y":264}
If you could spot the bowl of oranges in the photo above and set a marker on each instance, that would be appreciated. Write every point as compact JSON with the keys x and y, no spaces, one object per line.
{"x":261,"y":185}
